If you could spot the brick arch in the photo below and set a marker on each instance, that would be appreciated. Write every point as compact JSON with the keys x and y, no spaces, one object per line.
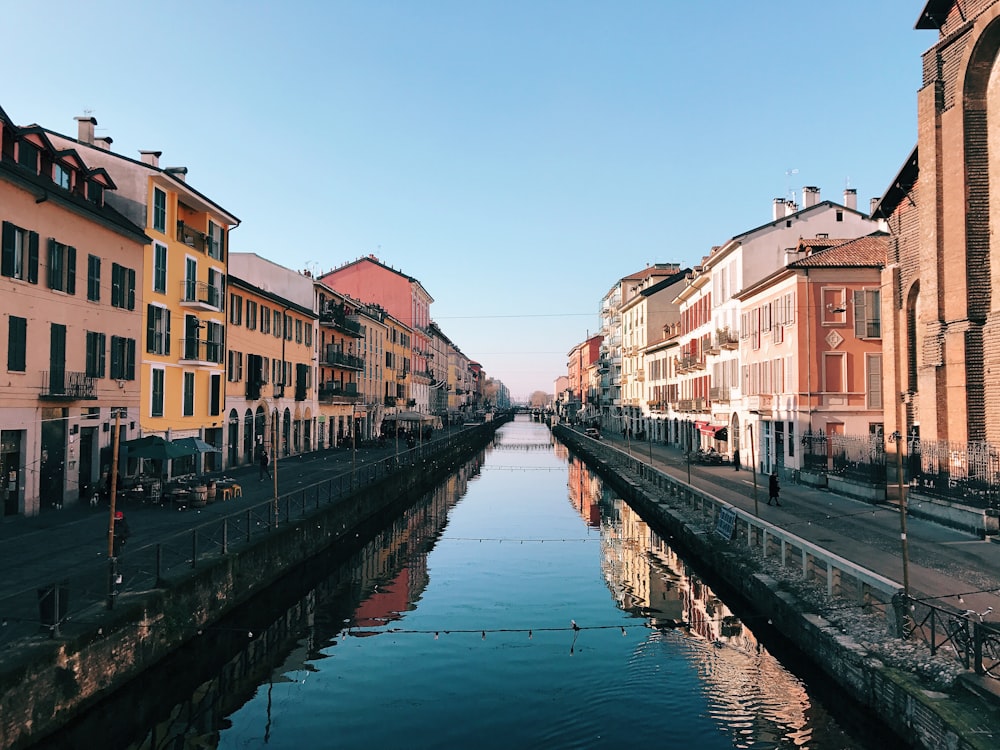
{"x":981,"y":127}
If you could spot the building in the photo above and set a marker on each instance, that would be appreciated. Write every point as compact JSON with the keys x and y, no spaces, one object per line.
{"x":271,"y":359}
{"x":182,"y":352}
{"x":403,"y":297}
{"x":72,"y":321}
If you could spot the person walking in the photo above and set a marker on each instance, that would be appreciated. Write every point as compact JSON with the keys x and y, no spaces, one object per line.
{"x":265,"y":461}
{"x":773,"y":489}
{"x":736,"y":460}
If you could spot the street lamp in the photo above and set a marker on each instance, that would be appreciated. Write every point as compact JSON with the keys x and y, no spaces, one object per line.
{"x":900,"y":441}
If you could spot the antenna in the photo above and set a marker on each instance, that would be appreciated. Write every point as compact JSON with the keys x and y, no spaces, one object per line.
{"x":789,"y":193}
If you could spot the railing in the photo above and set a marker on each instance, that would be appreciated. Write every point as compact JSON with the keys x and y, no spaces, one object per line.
{"x":402,"y":373}
{"x":389,"y":400}
{"x":197,"y":350}
{"x":33,"y":613}
{"x":965,"y":472}
{"x":334,"y":356}
{"x":973,"y":643}
{"x":191,"y":237}
{"x":70,"y":386}
{"x":841,"y":576}
{"x":719,"y":393}
{"x":340,"y":320}
{"x":347,"y":391}
{"x":201,"y":293}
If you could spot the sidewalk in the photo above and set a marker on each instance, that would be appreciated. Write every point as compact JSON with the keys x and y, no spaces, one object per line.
{"x":943,"y":563}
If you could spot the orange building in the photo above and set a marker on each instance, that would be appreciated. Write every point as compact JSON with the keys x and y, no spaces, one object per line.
{"x":71,"y":322}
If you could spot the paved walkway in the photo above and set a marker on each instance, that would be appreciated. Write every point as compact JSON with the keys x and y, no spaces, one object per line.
{"x":943,"y":563}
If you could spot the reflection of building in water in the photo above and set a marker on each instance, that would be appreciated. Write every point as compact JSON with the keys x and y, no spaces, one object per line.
{"x":243,"y":657}
{"x":646,"y":577}
{"x":585,"y":492}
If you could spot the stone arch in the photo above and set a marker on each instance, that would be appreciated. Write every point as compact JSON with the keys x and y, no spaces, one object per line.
{"x":260,"y":426}
{"x":981,"y":128}
{"x":286,"y":433}
{"x":734,"y":433}
{"x":233,"y":439}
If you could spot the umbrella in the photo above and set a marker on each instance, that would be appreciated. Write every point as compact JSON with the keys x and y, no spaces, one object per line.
{"x":409,"y":416}
{"x":156,"y":448}
{"x":196,"y":445}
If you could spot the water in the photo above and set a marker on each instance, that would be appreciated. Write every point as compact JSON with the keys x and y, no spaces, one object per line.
{"x":521,"y":605}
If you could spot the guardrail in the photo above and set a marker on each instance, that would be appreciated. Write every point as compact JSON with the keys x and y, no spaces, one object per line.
{"x":39,"y":612}
{"x":841,"y":576}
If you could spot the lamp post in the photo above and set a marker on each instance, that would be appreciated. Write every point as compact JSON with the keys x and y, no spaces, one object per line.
{"x":112,"y":557}
{"x":900,"y":441}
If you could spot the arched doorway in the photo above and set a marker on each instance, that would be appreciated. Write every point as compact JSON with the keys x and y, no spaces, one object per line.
{"x":307,"y":431}
{"x":233,"y":442}
{"x":248,"y":437}
{"x":734,"y":436}
{"x":286,"y":433}
{"x":261,"y":435}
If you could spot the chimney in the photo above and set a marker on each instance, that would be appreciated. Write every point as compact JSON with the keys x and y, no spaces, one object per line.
{"x":779,"y":208}
{"x":152,"y":158}
{"x":179,"y":172}
{"x":104,"y":142}
{"x":873,"y":204}
{"x":791,"y":207}
{"x":851,"y":199}
{"x":810,"y":196}
{"x":85,"y":129}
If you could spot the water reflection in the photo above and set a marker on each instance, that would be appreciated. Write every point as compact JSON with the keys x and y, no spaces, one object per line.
{"x":457,"y":625}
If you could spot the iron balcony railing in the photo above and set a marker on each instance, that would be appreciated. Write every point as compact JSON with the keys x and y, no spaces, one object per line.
{"x":344,"y":392}
{"x":196,"y":350}
{"x":341,"y":321}
{"x":334,"y":356}
{"x":69,"y":386}
{"x":201,"y":293}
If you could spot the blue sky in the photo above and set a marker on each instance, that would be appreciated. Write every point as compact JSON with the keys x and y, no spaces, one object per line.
{"x":516,"y":157}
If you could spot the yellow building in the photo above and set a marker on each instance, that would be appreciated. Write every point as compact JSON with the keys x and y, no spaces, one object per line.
{"x":182,"y":349}
{"x":271,"y":390}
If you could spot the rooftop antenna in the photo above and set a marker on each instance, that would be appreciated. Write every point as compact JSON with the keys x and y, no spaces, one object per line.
{"x":789,"y":193}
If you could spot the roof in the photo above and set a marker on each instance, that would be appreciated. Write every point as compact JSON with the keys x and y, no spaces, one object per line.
{"x":900,"y":187}
{"x":863,"y":252}
{"x":371,"y":258}
{"x":797,"y":214}
{"x":934,"y":14}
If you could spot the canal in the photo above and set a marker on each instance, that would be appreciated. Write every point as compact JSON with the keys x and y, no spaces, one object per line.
{"x":521,"y":604}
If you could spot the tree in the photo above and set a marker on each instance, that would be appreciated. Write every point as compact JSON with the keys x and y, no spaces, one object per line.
{"x":539,"y":400}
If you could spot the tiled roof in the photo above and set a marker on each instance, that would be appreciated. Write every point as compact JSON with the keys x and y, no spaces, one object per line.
{"x":863,"y":252}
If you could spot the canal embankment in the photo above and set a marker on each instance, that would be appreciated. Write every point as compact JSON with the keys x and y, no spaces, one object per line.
{"x":837,"y":610}
{"x":46,"y":682}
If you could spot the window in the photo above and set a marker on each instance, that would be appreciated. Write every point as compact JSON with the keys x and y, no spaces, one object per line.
{"x":791,"y":439}
{"x":216,"y":290}
{"x":298,"y":331}
{"x":95,"y":354}
{"x":277,"y":324}
{"x":156,"y":403}
{"x":61,"y":176}
{"x":235,"y":368}
{"x":159,"y":268}
{"x":236,"y":309}
{"x":214,"y":240}
{"x":834,"y":305}
{"x":868,"y":313}
{"x":122,"y":358}
{"x":17,"y":343}
{"x":20,"y":253}
{"x":27,"y":156}
{"x":251,"y":315}
{"x":95,"y":193}
{"x":122,"y":287}
{"x":159,"y":210}
{"x":840,"y":215}
{"x":833,"y":372}
{"x":93,"y":278}
{"x":190,"y":279}
{"x":873,"y":381}
{"x":213,"y":346}
{"x":62,"y":267}
{"x":189,"y":394}
{"x":288,"y":326}
{"x":265,"y":319}
{"x":157,"y":329}
{"x":309,"y":335}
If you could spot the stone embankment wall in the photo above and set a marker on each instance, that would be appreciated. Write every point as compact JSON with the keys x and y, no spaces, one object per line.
{"x":921,"y":716}
{"x":48,"y":683}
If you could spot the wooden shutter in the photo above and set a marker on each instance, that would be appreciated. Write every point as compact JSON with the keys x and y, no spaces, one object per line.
{"x":131,"y":289}
{"x":32,"y":257}
{"x":70,"y":270}
{"x":860,"y":318}
{"x":166,"y":335}
{"x":151,"y":329}
{"x":7,"y":264}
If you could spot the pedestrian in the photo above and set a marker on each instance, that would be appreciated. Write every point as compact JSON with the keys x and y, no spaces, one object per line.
{"x":736,"y":460}
{"x":773,"y":489}
{"x":265,"y":461}
{"x":120,"y":533}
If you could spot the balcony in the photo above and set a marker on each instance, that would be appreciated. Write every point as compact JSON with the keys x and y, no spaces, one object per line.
{"x":199,"y":241}
{"x":389,"y":400}
{"x":726,"y":339}
{"x":199,"y":295}
{"x":640,"y":376}
{"x":690,"y":364}
{"x":344,"y":393}
{"x":338,"y":319}
{"x":333,"y":356}
{"x":198,"y":352}
{"x":719,"y":394}
{"x":59,"y":385}
{"x":402,"y":373}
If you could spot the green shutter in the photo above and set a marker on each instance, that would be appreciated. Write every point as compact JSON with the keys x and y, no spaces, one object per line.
{"x":70,"y":270}
{"x":32,"y":257}
{"x":131,"y":289}
{"x":7,"y":264}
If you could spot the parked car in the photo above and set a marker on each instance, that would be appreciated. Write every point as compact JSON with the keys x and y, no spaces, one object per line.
{"x":593,"y":432}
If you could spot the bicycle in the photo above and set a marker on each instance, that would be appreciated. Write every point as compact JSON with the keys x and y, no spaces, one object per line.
{"x":962,"y":641}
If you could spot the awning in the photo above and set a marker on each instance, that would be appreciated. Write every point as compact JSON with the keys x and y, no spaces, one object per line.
{"x":716,"y":431}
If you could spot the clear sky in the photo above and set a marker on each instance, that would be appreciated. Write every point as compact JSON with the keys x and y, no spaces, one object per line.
{"x":517,"y":157}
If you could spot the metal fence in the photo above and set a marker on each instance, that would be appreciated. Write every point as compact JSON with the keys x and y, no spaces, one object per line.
{"x":859,"y":458}
{"x":973,"y":643}
{"x":966,"y":472}
{"x":80,"y":595}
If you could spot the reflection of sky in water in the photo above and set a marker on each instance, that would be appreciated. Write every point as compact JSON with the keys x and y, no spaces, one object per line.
{"x":453,"y":664}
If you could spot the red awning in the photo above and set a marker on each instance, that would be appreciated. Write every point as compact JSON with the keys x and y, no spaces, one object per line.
{"x":718,"y":431}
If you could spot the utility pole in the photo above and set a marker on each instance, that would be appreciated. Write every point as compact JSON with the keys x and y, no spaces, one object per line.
{"x":112,"y":558}
{"x":900,"y":441}
{"x":753,"y":461}
{"x":274,"y":473}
